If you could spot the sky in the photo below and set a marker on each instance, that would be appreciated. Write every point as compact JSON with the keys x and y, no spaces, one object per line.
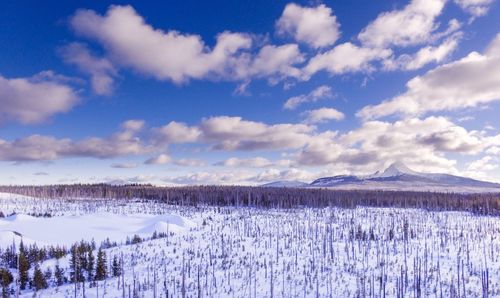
{"x":246,"y":92}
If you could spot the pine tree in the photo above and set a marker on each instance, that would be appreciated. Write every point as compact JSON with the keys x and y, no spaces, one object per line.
{"x":100,"y":271}
{"x":83,"y":260}
{"x":59,"y":275}
{"x":48,"y":274}
{"x":39,"y":281}
{"x":24,"y":266}
{"x":90,"y":265}
{"x":6,"y":279}
{"x":116,"y":267}
{"x":75,"y":265}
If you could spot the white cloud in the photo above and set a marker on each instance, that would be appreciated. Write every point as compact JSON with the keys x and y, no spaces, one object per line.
{"x":123,"y":180}
{"x":206,"y":178}
{"x":345,"y":58}
{"x":275,"y":62}
{"x":171,"y":55}
{"x":34,"y":100}
{"x":127,"y":165}
{"x":159,"y":160}
{"x":315,"y":26}
{"x":412,"y":25}
{"x":177,"y":132}
{"x":254,"y":162}
{"x":322,"y":115}
{"x":133,"y":125}
{"x":486,"y":163}
{"x":234,"y":133}
{"x":189,"y":162}
{"x":241,"y":177}
{"x":101,"y":70}
{"x":468,"y":82}
{"x":423,"y":144}
{"x":424,"y":55}
{"x":476,"y":8}
{"x":321,"y":92}
{"x":40,"y":148}
{"x":284,"y":175}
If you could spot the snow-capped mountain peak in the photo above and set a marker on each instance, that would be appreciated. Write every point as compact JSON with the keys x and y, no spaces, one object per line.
{"x":395,"y":169}
{"x":398,"y":176}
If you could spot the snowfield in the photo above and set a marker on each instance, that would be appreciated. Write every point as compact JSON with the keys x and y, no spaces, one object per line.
{"x":66,"y":230}
{"x":254,"y":252}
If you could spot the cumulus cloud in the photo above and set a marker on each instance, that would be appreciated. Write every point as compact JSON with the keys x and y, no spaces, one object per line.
{"x":471,"y":81}
{"x":424,"y":55}
{"x":43,"y":148}
{"x":286,"y":175}
{"x":476,"y":8}
{"x":315,"y":26}
{"x":321,"y":92}
{"x":241,"y":177}
{"x":487,"y":163}
{"x":412,"y":25}
{"x":101,"y":70}
{"x":34,"y":100}
{"x":159,"y":160}
{"x":189,"y":162}
{"x":171,"y":55}
{"x":176,"y":132}
{"x":124,"y":180}
{"x":345,"y":58}
{"x":234,"y":133}
{"x":254,"y":162}
{"x":205,"y":178}
{"x":421,"y":143}
{"x":275,"y":62}
{"x":322,"y":115}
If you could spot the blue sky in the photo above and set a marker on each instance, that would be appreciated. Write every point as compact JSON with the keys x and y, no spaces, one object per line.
{"x":247,"y":92}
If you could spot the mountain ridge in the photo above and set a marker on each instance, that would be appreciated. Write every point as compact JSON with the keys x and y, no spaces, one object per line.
{"x":397,"y":177}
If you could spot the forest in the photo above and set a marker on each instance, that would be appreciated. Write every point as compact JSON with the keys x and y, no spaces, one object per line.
{"x":271,"y":197}
{"x":204,"y":241}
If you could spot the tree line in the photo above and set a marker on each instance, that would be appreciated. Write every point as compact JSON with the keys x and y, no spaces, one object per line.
{"x":84,"y":266}
{"x":270,"y":197}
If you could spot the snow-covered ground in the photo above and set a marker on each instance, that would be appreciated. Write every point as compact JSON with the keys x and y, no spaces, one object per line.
{"x":66,"y":230}
{"x":250,"y":252}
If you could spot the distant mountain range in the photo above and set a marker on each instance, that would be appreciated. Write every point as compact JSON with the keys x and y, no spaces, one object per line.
{"x":397,"y":177}
{"x":285,"y":183}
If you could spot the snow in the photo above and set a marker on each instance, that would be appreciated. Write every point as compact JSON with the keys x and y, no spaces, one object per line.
{"x":66,"y":230}
{"x":395,"y":169}
{"x":251,"y":252}
{"x":399,"y":177}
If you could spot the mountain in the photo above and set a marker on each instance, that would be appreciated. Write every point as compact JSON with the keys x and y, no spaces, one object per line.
{"x":286,"y":183}
{"x":399,"y":177}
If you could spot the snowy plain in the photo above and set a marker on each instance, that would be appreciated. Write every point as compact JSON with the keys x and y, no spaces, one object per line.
{"x":253,"y":252}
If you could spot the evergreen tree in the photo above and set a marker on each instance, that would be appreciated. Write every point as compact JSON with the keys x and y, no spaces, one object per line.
{"x":82,"y":254}
{"x":116,"y":267}
{"x":76,"y":271}
{"x":100,"y":271}
{"x":48,"y":275}
{"x":90,"y":265}
{"x":6,"y":279}
{"x":10,"y":256}
{"x":24,"y":266}
{"x":39,"y":281}
{"x":59,"y":275}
